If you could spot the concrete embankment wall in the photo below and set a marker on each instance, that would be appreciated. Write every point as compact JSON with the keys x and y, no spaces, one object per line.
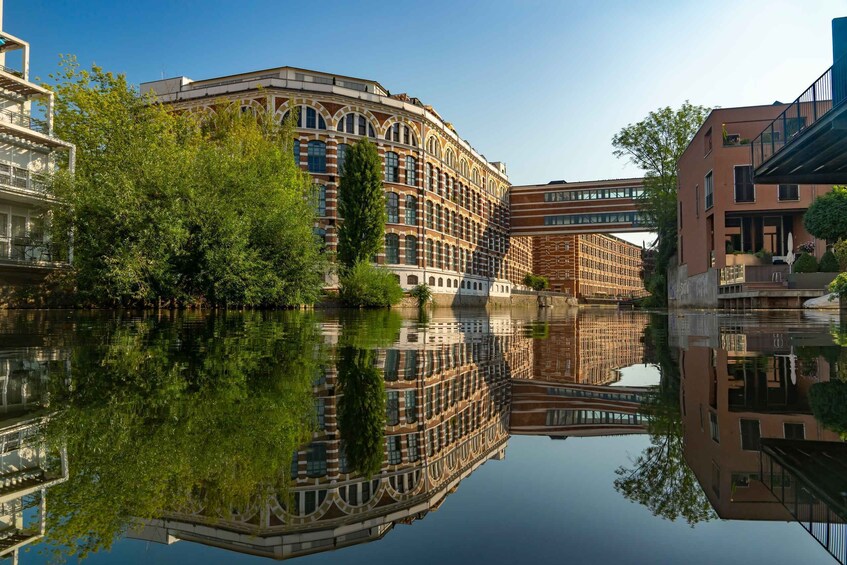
{"x":698,"y":291}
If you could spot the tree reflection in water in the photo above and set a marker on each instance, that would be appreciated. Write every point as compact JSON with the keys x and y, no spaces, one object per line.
{"x":659,"y":478}
{"x":199,"y":413}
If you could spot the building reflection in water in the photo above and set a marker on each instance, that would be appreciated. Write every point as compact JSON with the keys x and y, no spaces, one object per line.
{"x":455,"y":389}
{"x":28,"y":468}
{"x":746,"y":385}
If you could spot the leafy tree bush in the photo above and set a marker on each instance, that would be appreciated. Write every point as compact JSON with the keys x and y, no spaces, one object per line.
{"x":368,"y":286}
{"x":828,"y":401}
{"x":840,"y":250}
{"x":806,"y":263}
{"x":422,"y":293}
{"x":361,"y":204}
{"x":182,"y":208}
{"x":828,"y":263}
{"x":536,"y":282}
{"x":655,"y":145}
{"x":826,"y":218}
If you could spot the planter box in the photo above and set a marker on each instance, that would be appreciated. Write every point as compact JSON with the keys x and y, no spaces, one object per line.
{"x":743,"y":259}
{"x":816,"y":281}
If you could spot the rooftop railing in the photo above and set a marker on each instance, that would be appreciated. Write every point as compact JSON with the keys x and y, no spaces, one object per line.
{"x":24,"y":120}
{"x":806,"y":110}
{"x":11,"y":71}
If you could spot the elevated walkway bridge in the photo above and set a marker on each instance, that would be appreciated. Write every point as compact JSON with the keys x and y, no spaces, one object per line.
{"x":564,"y":208}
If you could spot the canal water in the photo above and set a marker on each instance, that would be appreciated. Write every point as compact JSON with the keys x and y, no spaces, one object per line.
{"x":595,"y":436}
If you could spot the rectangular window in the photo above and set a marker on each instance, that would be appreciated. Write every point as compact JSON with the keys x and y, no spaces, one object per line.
{"x":411,"y":407}
{"x":395,"y":455}
{"x":744,"y":189}
{"x":709,"y":190}
{"x":794,"y":431}
{"x":392,"y":408}
{"x":412,"y":445}
{"x":750,"y":435}
{"x":789,"y":192}
{"x":714,"y":430}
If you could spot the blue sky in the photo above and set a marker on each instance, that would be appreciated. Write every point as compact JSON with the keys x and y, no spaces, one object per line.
{"x":541,"y":85}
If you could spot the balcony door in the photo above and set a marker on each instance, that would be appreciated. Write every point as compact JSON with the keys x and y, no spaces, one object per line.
{"x":19,"y":233}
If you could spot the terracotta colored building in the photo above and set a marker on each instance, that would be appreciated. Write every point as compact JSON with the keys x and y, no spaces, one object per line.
{"x":589,"y":265}
{"x":447,"y":205}
{"x":724,"y":218}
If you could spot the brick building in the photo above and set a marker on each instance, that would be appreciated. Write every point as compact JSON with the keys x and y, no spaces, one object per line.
{"x":447,"y":206}
{"x":589,"y":265}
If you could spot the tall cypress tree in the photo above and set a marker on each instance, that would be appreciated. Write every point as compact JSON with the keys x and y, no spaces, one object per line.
{"x":361,"y":205}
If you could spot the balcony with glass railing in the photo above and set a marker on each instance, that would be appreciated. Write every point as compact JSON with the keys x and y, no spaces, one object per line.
{"x":806,"y":143}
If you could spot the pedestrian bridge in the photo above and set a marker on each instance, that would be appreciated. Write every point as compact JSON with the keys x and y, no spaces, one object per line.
{"x":562,"y":208}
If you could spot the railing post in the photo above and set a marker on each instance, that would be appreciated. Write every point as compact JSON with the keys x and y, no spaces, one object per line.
{"x":814,"y":102}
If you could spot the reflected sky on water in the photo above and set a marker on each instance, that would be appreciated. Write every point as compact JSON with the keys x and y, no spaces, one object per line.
{"x":373,"y":437}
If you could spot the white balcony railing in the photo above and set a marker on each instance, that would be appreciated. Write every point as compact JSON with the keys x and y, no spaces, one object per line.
{"x":21,"y":179}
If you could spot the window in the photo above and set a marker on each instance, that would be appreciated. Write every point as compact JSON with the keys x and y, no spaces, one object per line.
{"x":395,"y":455}
{"x":392,"y":167}
{"x":392,"y":407}
{"x":356,"y":124}
{"x":429,"y":214}
{"x":411,"y":172}
{"x":392,"y":207}
{"x":750,"y":435}
{"x":341,"y":155}
{"x":708,"y":184}
{"x":429,"y":248}
{"x":412,"y":445}
{"x":392,"y":248}
{"x":428,"y":177}
{"x":317,"y":157}
{"x":794,"y":431}
{"x":394,"y":134}
{"x":789,"y":192}
{"x":320,"y":412}
{"x":411,"y":210}
{"x":321,"y":200}
{"x":313,"y":118}
{"x":316,"y":460}
{"x":411,"y":250}
{"x":744,"y":189}
{"x":411,"y":405}
{"x":433,"y":147}
{"x":297,"y":152}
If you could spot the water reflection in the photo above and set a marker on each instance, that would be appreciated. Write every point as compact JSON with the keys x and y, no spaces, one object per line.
{"x":287,"y":434}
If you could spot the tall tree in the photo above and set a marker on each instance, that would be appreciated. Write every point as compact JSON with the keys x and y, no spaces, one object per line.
{"x":655,"y":144}
{"x":826,"y":218}
{"x":361,"y":205}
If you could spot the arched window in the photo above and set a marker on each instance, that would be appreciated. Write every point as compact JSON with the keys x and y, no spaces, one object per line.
{"x":321,"y":200}
{"x":400,"y":131}
{"x":463,"y":168}
{"x":340,"y":156}
{"x":446,"y":220}
{"x":429,"y":214}
{"x":356,"y":124}
{"x":409,"y":137}
{"x":411,"y":250}
{"x":438,"y":224}
{"x":317,"y":157}
{"x":392,"y":207}
{"x":428,"y":176}
{"x":411,"y":210}
{"x":313,"y":119}
{"x":439,"y":257}
{"x":429,"y":248}
{"x":449,"y":158}
{"x":392,"y":248}
{"x":433,"y":147}
{"x":411,"y":171}
{"x":476,"y":176}
{"x":392,"y":167}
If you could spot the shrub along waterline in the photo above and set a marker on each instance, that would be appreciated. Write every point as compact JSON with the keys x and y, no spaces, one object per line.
{"x":368,"y":286}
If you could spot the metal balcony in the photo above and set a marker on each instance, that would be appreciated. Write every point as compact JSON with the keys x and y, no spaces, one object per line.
{"x":807,"y":142}
{"x":24,"y":120}
{"x":21,"y":180}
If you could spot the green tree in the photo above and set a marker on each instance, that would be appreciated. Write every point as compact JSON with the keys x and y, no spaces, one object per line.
{"x":361,"y":205}
{"x":805,"y":263}
{"x":828,"y":263}
{"x":828,"y":401}
{"x":659,"y":478}
{"x":655,"y":145}
{"x":180,"y":207}
{"x":826,"y":217}
{"x":163,"y":415}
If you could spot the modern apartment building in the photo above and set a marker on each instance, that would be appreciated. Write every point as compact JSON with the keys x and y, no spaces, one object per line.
{"x":725,"y":219}
{"x":589,"y":265}
{"x":447,"y":205}
{"x":28,"y":152}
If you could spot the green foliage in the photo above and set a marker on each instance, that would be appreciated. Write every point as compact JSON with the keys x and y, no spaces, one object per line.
{"x":536,"y":282}
{"x":826,"y":217}
{"x":659,"y":478}
{"x":806,"y":263}
{"x":361,"y":204}
{"x":839,"y":285}
{"x":161,"y":416}
{"x":828,"y":401}
{"x":840,"y":250}
{"x":422,"y":293}
{"x":183,"y":208}
{"x":361,"y":409}
{"x":655,"y":144}
{"x":368,"y":286}
{"x":829,"y":263}
{"x":764,"y":255}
